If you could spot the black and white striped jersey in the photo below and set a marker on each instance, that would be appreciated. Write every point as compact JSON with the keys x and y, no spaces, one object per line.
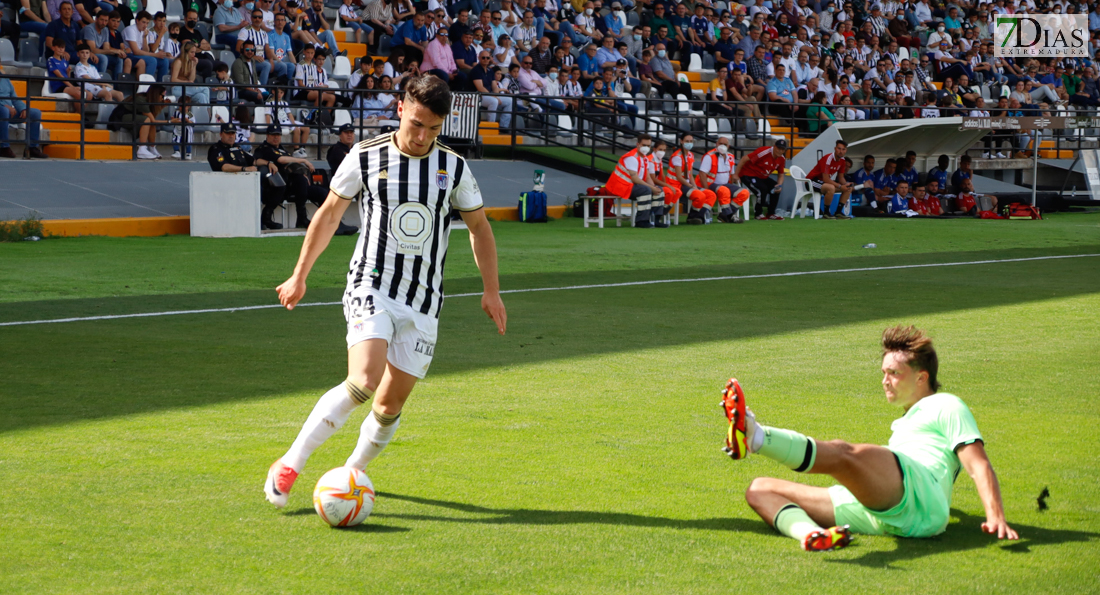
{"x":257,"y":36}
{"x":405,"y":207}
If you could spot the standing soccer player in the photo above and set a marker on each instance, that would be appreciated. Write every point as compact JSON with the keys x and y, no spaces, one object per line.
{"x":409,"y":184}
{"x":901,"y":489}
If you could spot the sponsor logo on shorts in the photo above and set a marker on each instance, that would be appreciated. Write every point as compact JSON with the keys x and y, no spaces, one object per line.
{"x":425,"y":347}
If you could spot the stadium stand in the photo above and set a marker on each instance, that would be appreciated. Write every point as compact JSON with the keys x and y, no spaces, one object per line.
{"x":844,"y":61}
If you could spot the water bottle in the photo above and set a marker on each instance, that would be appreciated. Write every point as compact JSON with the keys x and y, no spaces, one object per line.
{"x":870,"y":246}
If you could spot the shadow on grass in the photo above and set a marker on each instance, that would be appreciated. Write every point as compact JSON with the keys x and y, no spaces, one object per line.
{"x":529,"y":516}
{"x":61,"y":373}
{"x":967,"y":535}
{"x":367,"y":527}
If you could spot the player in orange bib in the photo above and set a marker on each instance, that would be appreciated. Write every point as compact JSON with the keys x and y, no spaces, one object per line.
{"x":631,"y":180}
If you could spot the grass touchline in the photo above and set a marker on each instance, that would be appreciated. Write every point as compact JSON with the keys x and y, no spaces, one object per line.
{"x":567,"y":287}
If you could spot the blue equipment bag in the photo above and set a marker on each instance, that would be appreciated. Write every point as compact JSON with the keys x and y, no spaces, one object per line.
{"x":532,"y":207}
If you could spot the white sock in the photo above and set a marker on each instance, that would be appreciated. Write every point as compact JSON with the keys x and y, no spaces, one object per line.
{"x":755,"y":430}
{"x":328,"y":415}
{"x":373,"y":437}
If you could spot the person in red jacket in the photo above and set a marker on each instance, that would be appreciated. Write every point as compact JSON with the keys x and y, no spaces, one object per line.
{"x":827,"y":177}
{"x":755,"y":170}
{"x":631,"y":180}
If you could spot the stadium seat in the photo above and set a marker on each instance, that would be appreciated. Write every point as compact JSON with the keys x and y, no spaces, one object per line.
{"x":202,"y":119}
{"x":903,"y":53}
{"x":632,"y":19}
{"x":7,"y":55}
{"x":695,"y":63}
{"x":341,"y":117}
{"x":219,"y":114}
{"x":46,"y":92}
{"x":341,"y":69}
{"x":28,"y":50}
{"x":259,"y":115}
{"x":384,"y":45}
{"x":145,"y":78}
{"x":227,"y":56}
{"x":803,"y":192}
{"x":173,"y":9}
{"x":565,"y":126}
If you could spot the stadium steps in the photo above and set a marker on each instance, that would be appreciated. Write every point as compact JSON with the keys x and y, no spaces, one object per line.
{"x":60,"y":121}
{"x":97,"y":145}
{"x":489,"y":134}
{"x":91,"y":152}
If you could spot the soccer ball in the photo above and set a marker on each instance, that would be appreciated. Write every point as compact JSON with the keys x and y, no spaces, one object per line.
{"x":344,"y":497}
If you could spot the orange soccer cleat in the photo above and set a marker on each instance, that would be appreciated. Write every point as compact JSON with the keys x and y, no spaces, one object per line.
{"x":742,"y":421}
{"x":280,"y":479}
{"x":833,"y":538}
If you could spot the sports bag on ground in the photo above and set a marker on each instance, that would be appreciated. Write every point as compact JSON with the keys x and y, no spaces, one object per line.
{"x":532,"y":207}
{"x":1019,"y":210}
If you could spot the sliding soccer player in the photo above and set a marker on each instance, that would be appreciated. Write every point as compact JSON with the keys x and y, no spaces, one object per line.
{"x":409,"y":184}
{"x":901,"y":489}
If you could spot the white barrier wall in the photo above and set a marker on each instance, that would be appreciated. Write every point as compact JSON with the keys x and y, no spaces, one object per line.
{"x":225,"y":205}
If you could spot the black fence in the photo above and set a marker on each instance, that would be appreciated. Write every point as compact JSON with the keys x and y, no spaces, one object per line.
{"x":593,"y":130}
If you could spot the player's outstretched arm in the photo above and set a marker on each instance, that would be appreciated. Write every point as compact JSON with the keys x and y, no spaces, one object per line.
{"x":321,"y":228}
{"x":977,"y":465}
{"x":485,"y":255}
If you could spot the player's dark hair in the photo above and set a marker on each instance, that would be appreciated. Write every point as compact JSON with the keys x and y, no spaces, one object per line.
{"x":917,"y":349}
{"x":431,"y":92}
{"x":841,"y":142}
{"x":642,"y":137}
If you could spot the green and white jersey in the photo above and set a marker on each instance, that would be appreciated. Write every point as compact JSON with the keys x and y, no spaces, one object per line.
{"x":930,"y":432}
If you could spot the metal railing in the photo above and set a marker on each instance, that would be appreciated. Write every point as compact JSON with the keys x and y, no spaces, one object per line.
{"x":594,"y":133}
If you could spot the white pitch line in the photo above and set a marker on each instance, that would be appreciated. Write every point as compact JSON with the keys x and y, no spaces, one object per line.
{"x":569,"y":287}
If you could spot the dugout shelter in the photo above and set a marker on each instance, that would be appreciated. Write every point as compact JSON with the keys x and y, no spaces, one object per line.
{"x":884,"y":139}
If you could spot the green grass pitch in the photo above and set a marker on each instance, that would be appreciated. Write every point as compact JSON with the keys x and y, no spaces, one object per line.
{"x":577,"y":454}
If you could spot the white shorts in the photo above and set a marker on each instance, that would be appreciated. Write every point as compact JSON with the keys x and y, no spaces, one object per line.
{"x":93,"y":89}
{"x":410,"y":334}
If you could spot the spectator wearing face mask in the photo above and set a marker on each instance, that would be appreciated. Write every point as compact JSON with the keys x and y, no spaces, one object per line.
{"x":717,"y":173}
{"x":631,"y":180}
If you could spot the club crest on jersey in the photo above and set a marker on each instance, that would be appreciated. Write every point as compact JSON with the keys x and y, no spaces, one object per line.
{"x":441,"y":179}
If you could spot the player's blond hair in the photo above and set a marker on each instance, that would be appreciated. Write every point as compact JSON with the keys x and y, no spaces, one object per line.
{"x":917,"y":348}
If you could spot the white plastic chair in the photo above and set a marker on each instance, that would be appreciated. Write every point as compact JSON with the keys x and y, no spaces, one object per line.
{"x":903,"y":54}
{"x":259,"y":115}
{"x":145,"y":78}
{"x":803,"y":192}
{"x":695,"y":63}
{"x":341,"y":70}
{"x":565,"y":126}
{"x":341,"y":117}
{"x":219,"y":114}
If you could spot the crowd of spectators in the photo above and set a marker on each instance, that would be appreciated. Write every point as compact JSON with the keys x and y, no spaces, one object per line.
{"x":812,"y":62}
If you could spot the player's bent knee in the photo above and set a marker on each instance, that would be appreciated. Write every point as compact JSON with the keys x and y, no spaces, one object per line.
{"x":759,"y":490}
